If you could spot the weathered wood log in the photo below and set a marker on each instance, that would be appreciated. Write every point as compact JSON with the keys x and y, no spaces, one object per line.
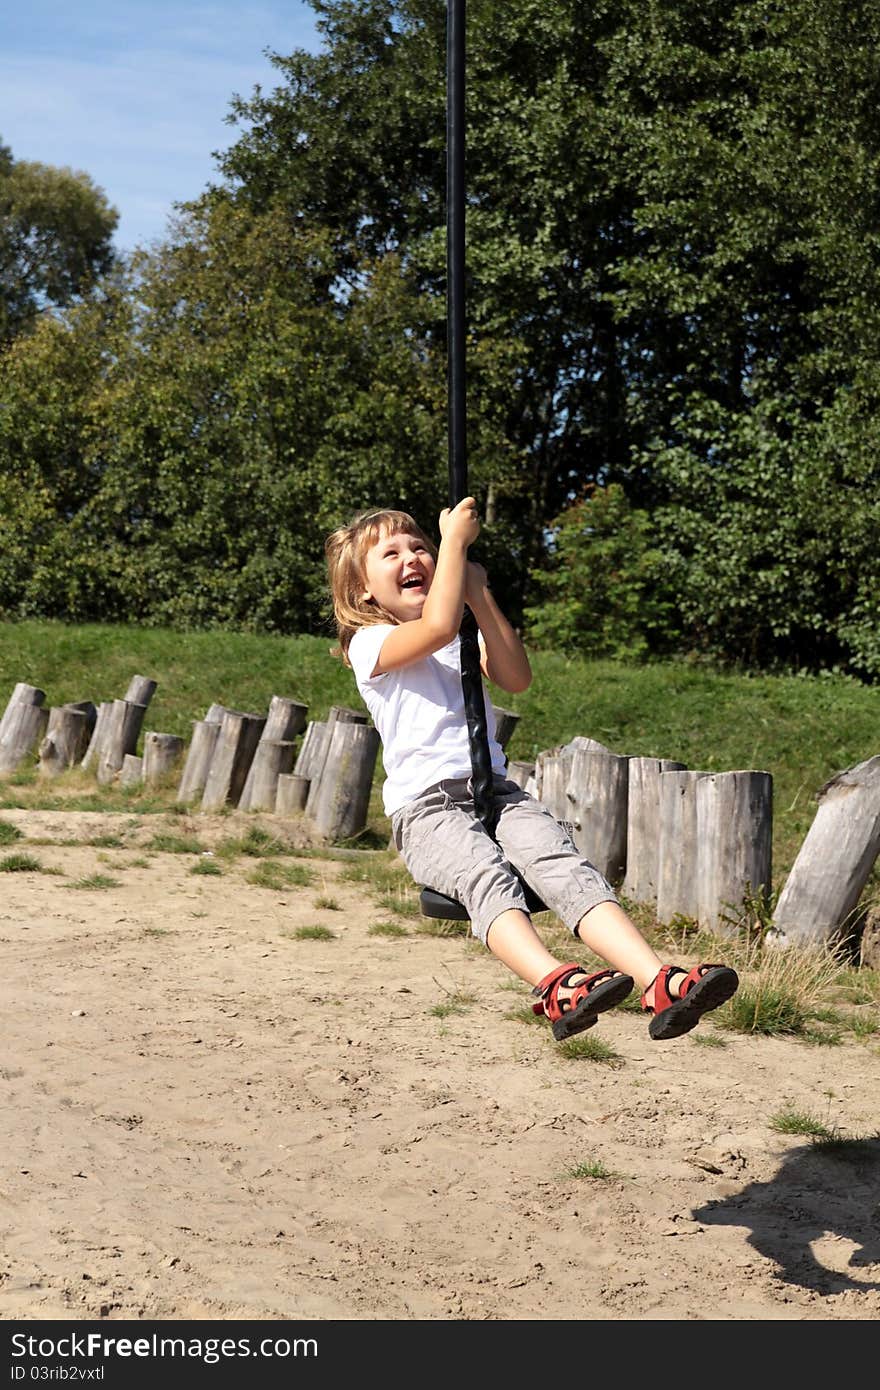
{"x":99,"y":732}
{"x":233,"y":753}
{"x":286,"y":719}
{"x":273,"y":758}
{"x":140,"y":690}
{"x":597,"y":792}
{"x":643,"y":827}
{"x":344,"y":794}
{"x":520,"y":773}
{"x":337,"y":714}
{"x":162,"y":752}
{"x":67,"y":737}
{"x":24,"y":728}
{"x":291,"y":794}
{"x":834,"y":862}
{"x":198,"y":759}
{"x":506,"y":721}
{"x":312,"y":742}
{"x":199,"y":754}
{"x":132,"y":771}
{"x":122,"y":732}
{"x":22,"y":694}
{"x":552,"y":771}
{"x":677,"y":893}
{"x":566,"y":751}
{"x":734,"y":845}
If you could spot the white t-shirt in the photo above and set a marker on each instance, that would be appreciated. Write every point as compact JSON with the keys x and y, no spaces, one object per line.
{"x":419,"y":713}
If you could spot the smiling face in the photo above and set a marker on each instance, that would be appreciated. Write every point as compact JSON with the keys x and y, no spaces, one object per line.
{"x":398,"y":571}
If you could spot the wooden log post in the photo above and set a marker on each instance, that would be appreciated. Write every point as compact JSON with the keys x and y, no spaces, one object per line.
{"x":67,"y":737}
{"x":550,"y":781}
{"x":520,"y":773}
{"x":306,"y":761}
{"x":199,"y":754}
{"x":99,"y":732}
{"x":233,"y":753}
{"x":347,"y":777}
{"x":734,"y":845}
{"x":822,"y":890}
{"x":338,"y":714}
{"x":286,"y":719}
{"x":291,"y":794}
{"x":140,"y":690}
{"x":22,"y":694}
{"x":677,"y":893}
{"x":104,"y":753}
{"x":273,"y":758}
{"x":162,"y":753}
{"x":123,"y":728}
{"x":132,"y":771}
{"x":24,"y":724}
{"x":505,"y":723}
{"x":552,"y":771}
{"x":597,"y":792}
{"x":643,"y":827}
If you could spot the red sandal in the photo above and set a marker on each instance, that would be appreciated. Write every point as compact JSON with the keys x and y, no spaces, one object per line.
{"x":703,"y":988}
{"x":589,"y":998}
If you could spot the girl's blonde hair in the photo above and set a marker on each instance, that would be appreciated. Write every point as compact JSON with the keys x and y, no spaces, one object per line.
{"x":346,"y":551}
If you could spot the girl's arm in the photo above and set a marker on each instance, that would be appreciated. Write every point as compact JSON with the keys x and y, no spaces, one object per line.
{"x":505,"y":662}
{"x":441,"y":615}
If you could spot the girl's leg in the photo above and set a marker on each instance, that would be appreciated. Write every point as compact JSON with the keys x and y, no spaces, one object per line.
{"x":513,"y":939}
{"x":608,"y":932}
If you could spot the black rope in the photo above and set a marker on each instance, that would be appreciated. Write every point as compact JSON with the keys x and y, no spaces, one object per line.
{"x":471,"y":675}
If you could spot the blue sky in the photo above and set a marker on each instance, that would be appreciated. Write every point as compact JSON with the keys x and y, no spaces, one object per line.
{"x":135,"y":92}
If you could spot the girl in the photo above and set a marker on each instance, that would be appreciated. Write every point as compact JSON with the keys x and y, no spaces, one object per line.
{"x":398,"y":602}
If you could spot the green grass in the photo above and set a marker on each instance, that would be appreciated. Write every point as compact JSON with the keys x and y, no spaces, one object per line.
{"x":9,"y":833}
{"x":20,"y":864}
{"x":206,"y":866}
{"x":387,"y":929}
{"x":315,"y":933}
{"x":800,"y":729}
{"x":791,"y":1121}
{"x":271,"y":874}
{"x":256,"y":843}
{"x":457,"y":1002}
{"x":176,"y":844}
{"x":585,"y":1048}
{"x":96,"y":881}
{"x":588,"y":1168}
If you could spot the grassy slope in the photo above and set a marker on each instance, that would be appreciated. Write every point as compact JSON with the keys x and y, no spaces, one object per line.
{"x":800,"y":730}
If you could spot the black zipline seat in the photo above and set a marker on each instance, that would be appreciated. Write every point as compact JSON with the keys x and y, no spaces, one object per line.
{"x":435,"y":904}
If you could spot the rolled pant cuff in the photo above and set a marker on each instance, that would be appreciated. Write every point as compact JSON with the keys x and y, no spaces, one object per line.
{"x":584,"y":903}
{"x":480,"y":928}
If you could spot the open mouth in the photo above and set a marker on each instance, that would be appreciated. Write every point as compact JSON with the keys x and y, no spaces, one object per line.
{"x":414,"y":581}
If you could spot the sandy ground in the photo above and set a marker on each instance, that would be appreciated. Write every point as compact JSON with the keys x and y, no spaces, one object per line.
{"x":206,"y":1117}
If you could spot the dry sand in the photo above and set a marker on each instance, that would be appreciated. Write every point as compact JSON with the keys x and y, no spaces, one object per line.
{"x":208,"y":1118}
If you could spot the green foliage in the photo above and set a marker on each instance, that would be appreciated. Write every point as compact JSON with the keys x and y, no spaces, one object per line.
{"x":55,"y":230}
{"x":674,"y":281}
{"x":605,"y":593}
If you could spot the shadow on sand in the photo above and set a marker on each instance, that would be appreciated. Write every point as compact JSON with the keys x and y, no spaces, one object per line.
{"x":827,"y":1190}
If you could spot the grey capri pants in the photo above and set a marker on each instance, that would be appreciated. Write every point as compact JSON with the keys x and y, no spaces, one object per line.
{"x":445,"y":847}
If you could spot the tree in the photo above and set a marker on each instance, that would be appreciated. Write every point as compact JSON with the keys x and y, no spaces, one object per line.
{"x":55,"y":233}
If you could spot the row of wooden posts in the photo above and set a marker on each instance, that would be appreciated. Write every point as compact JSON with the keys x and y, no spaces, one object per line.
{"x":233,"y":758}
{"x":694,"y":844}
{"x":699,"y":844}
